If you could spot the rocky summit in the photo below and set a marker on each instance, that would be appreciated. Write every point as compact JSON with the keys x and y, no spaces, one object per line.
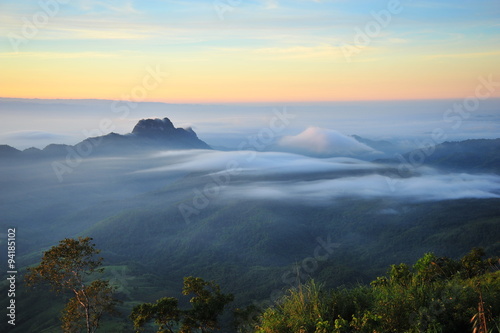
{"x":154,"y":126}
{"x":148,"y":134}
{"x":163,"y":133}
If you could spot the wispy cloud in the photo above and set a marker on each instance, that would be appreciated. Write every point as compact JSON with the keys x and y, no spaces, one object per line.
{"x":465,"y":55}
{"x":396,"y":40}
{"x":294,"y":52}
{"x":290,"y":177}
{"x":264,"y":163}
{"x":304,"y":33}
{"x":35,"y":135}
{"x":270,"y":4}
{"x":321,"y":192}
{"x":114,"y":6}
{"x":59,"y":55}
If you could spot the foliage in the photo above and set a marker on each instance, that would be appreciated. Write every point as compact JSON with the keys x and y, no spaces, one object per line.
{"x":207,"y":304}
{"x":96,"y":298}
{"x":165,"y":313}
{"x":65,"y":267}
{"x":435,"y":295}
{"x":247,"y":248}
{"x":301,"y":310}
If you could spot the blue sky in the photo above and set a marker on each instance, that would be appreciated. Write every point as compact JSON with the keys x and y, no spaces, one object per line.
{"x":96,"y":49}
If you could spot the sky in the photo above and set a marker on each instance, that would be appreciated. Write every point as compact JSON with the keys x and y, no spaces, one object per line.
{"x":246,"y":51}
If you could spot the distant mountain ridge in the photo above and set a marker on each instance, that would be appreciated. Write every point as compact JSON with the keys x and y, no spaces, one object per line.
{"x":474,"y":155}
{"x":8,"y":151}
{"x":147,"y":134}
{"x":479,"y":155}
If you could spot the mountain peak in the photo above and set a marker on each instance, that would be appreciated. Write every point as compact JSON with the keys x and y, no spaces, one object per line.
{"x":163,"y":133}
{"x":6,"y":150}
{"x":153,"y":126}
{"x":152,"y":134}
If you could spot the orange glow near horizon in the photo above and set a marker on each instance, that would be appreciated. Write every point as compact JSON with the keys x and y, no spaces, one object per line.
{"x":243,"y":80}
{"x":284,"y":52}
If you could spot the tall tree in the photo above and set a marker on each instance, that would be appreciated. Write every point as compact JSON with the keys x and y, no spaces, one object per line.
{"x":66,"y":267}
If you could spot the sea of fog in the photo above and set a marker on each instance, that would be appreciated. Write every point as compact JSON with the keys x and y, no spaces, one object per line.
{"x":37,"y":123}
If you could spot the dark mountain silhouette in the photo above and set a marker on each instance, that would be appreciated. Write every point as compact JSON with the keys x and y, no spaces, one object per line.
{"x":8,"y":151}
{"x":162,"y":132}
{"x":479,"y":155}
{"x":476,"y":155}
{"x":148,"y":134}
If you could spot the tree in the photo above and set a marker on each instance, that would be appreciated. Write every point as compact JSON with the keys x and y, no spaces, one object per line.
{"x":165,"y":313}
{"x":473,"y":264}
{"x":207,"y":304}
{"x":66,"y":267}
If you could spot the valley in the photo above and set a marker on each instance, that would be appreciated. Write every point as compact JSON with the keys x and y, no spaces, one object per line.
{"x":257,"y":226}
